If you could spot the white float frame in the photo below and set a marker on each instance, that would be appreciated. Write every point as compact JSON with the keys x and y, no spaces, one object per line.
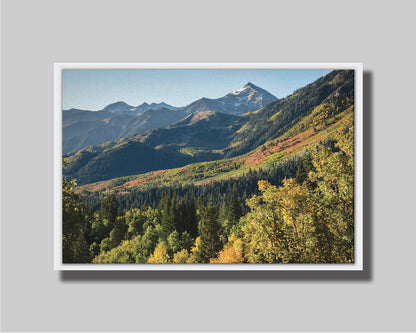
{"x":358,"y":171}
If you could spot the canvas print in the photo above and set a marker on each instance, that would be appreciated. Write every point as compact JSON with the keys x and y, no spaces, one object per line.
{"x":207,"y":166}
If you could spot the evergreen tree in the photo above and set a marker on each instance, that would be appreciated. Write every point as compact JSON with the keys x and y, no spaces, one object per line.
{"x":167,"y":217}
{"x":145,"y":206}
{"x":109,"y":208}
{"x":118,"y":232}
{"x":223,"y":220}
{"x":200,"y":205}
{"x":305,"y":166}
{"x":186,"y":241}
{"x":174,"y":212}
{"x":235,"y":211}
{"x":191,"y":221}
{"x":81,"y":250}
{"x":209,"y":231}
{"x":223,"y":213}
{"x":100,"y":229}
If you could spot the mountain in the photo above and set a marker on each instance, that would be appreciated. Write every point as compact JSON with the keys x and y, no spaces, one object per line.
{"x":119,"y":107}
{"x":75,"y":115}
{"x":212,"y":135}
{"x":83,"y":128}
{"x":151,"y":119}
{"x":122,"y":107}
{"x":190,"y":140}
{"x":126,"y":158}
{"x":142,"y":108}
{"x":330,"y":110}
{"x":91,"y":128}
{"x":213,"y":118}
{"x":280,"y":115}
{"x":81,"y":134}
{"x":200,"y":130}
{"x":246,"y":99}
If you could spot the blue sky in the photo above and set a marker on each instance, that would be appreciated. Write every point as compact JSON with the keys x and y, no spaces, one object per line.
{"x":93,"y":89}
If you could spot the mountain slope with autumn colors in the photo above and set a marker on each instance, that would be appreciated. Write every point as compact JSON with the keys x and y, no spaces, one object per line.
{"x":206,"y":135}
{"x":316,"y":127}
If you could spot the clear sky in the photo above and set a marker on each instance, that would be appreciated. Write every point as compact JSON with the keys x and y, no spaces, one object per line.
{"x":93,"y":89}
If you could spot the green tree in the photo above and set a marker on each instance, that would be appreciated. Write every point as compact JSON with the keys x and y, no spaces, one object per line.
{"x":167,"y":217}
{"x":135,"y":219}
{"x":305,"y":166}
{"x":122,"y":254}
{"x":100,"y":229}
{"x":192,"y":221}
{"x":209,"y":231}
{"x":223,"y":213}
{"x":145,"y":245}
{"x":82,"y":253}
{"x":174,"y":241}
{"x":109,"y":208}
{"x":118,"y":232}
{"x":177,"y":241}
{"x":174,"y":213}
{"x":106,"y":245}
{"x":74,"y":247}
{"x":200,"y":206}
{"x":186,"y":241}
{"x":235,"y":211}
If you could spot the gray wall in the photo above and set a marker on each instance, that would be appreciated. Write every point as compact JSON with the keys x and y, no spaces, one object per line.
{"x":37,"y":33}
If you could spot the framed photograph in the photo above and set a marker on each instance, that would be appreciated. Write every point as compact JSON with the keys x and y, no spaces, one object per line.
{"x":208,"y":166}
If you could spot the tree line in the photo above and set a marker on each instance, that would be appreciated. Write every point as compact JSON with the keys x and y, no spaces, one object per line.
{"x":218,"y":191}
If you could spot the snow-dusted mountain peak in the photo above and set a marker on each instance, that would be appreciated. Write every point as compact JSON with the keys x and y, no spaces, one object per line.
{"x":246,"y":99}
{"x":250,"y":85}
{"x":249,"y":88}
